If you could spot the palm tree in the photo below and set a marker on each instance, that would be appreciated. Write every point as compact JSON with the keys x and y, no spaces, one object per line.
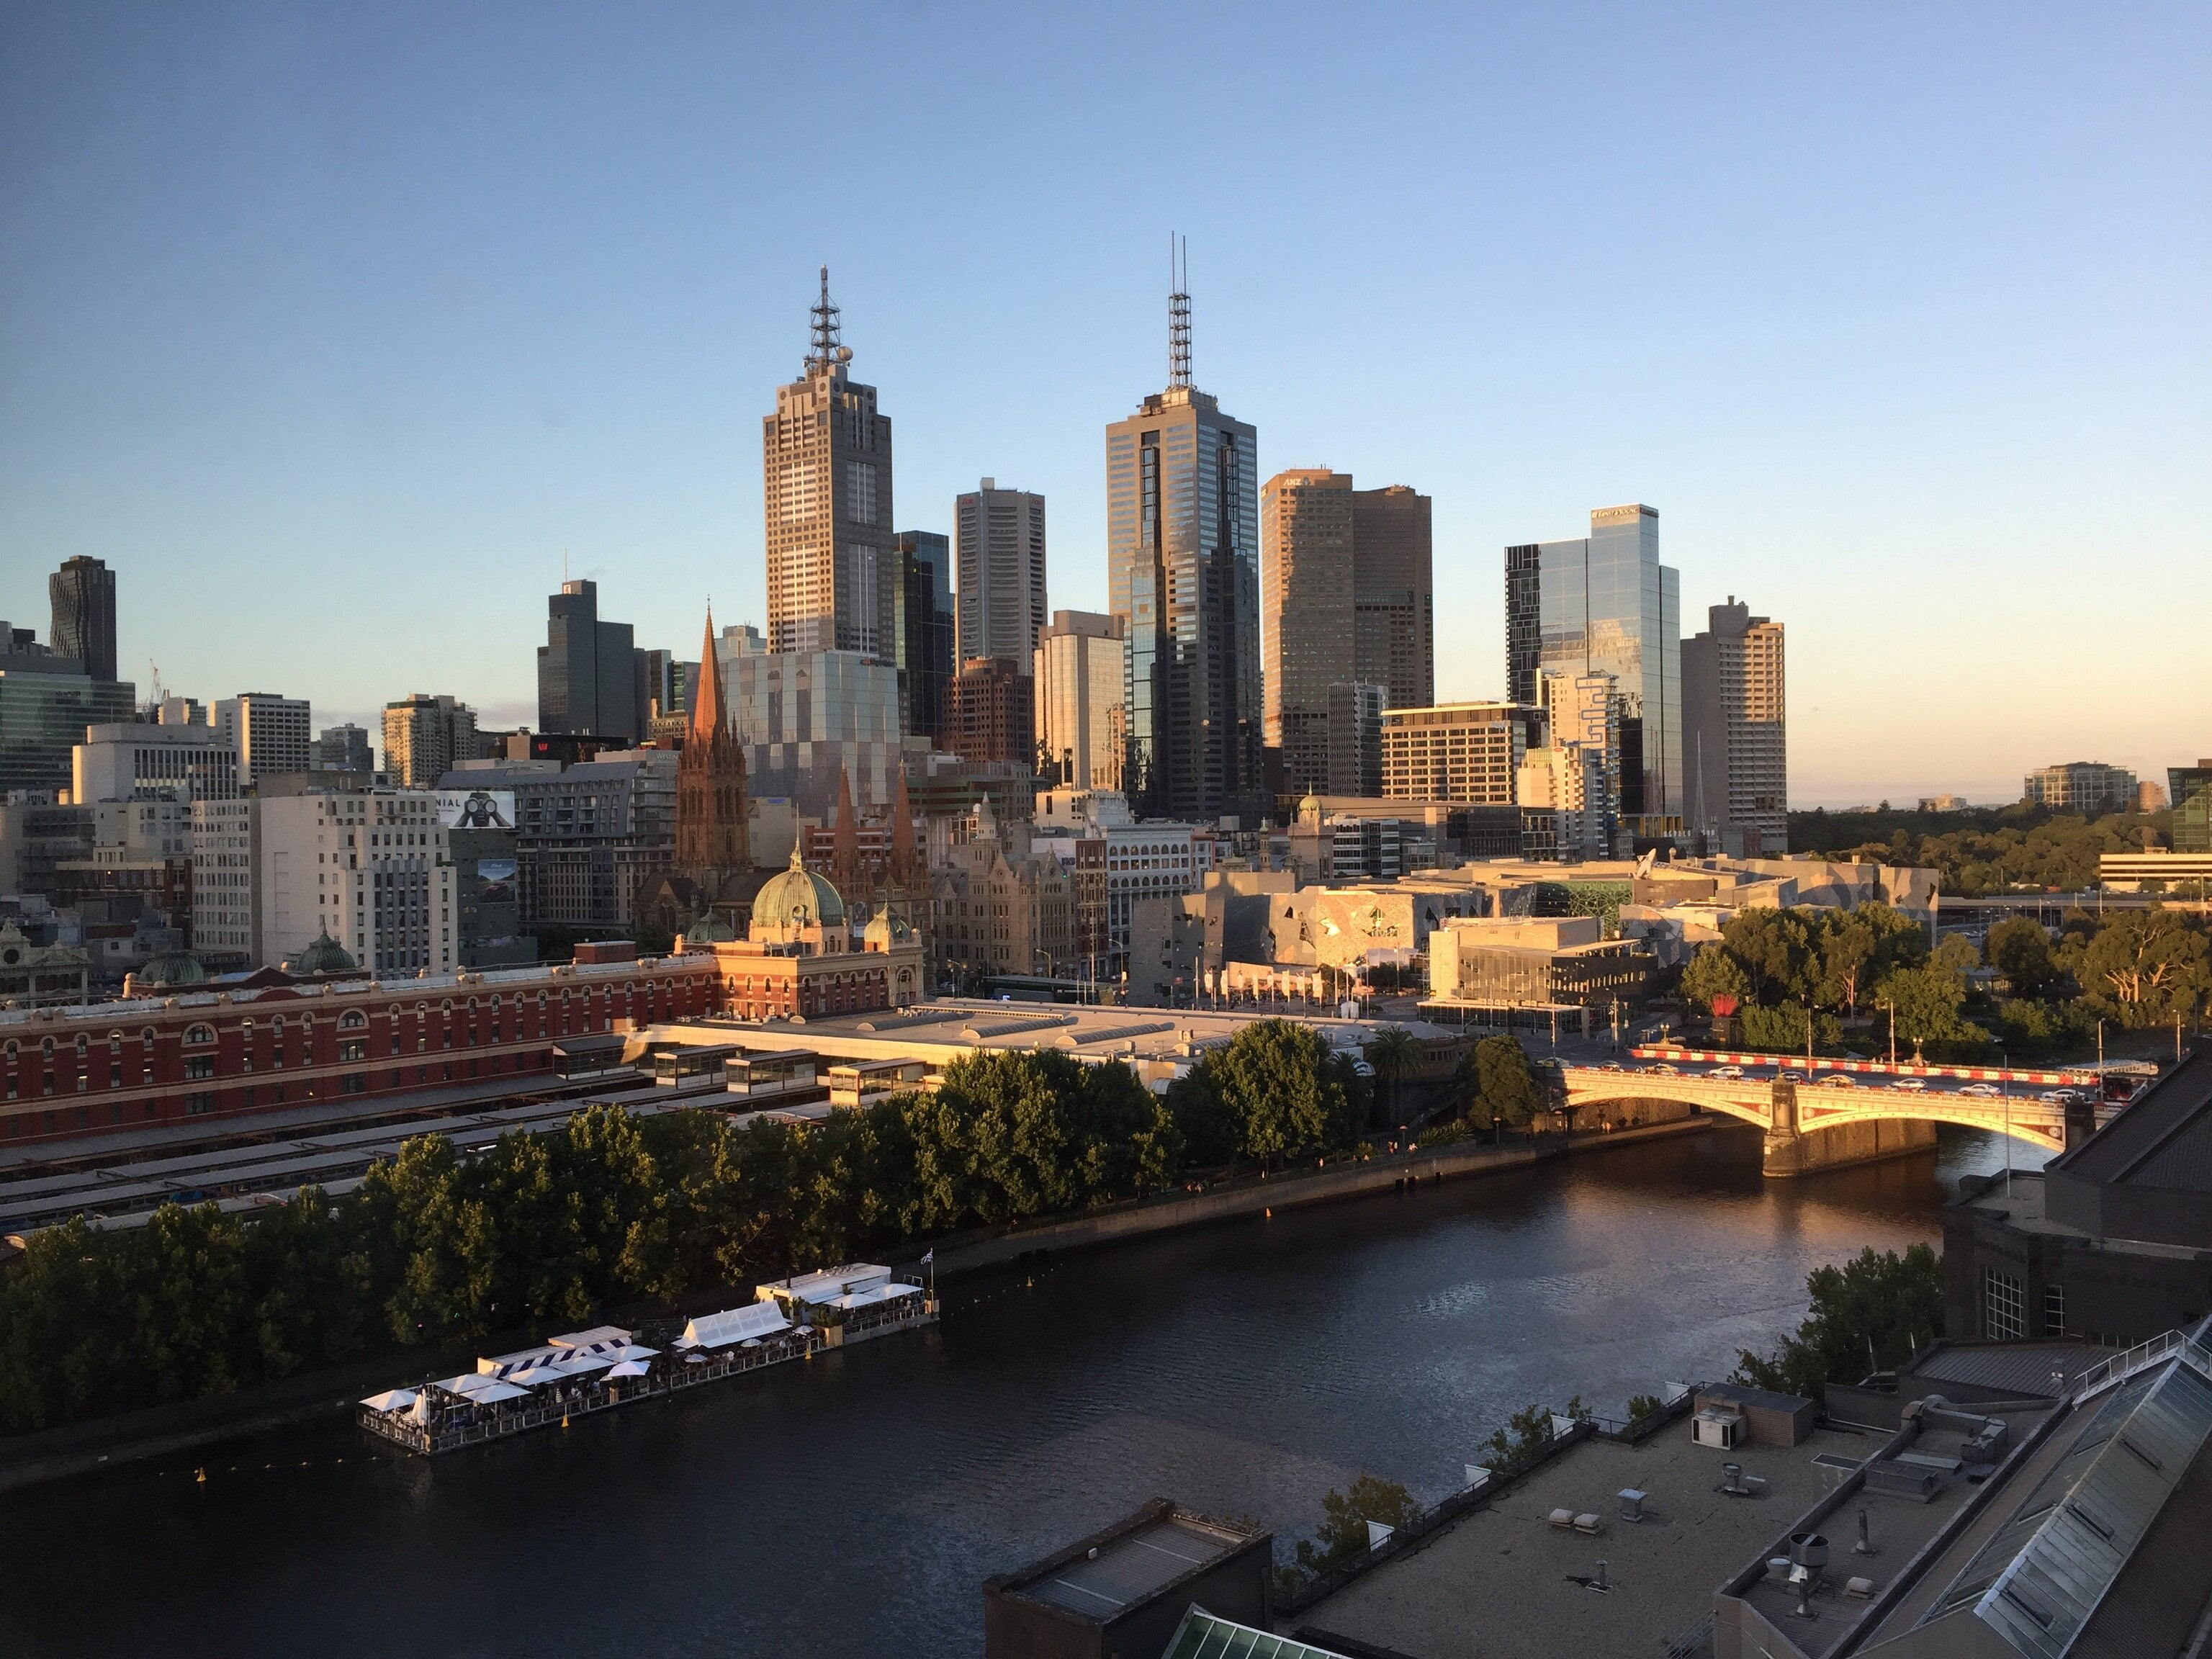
{"x":1390,"y":1051}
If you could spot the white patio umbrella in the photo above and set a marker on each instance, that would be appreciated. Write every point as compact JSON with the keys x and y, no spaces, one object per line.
{"x":630,"y":1368}
{"x":391,"y":1399}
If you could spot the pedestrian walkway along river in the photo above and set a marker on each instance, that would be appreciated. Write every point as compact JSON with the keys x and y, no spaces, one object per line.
{"x":854,"y":1504}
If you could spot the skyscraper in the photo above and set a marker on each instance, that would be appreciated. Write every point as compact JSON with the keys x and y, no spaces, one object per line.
{"x":590,"y":675}
{"x":1345,"y":595}
{"x":1310,"y":644}
{"x":922,"y":628}
{"x":1604,"y":604}
{"x":999,"y":581}
{"x":425,"y":737}
{"x":826,"y":458}
{"x":1393,"y":594}
{"x":1183,"y":544}
{"x":1582,"y":720}
{"x":83,"y":595}
{"x":1735,"y":754}
{"x":1078,"y":672}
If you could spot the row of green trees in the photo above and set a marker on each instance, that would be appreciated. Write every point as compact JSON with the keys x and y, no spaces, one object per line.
{"x":1986,"y":850}
{"x":1783,"y":968}
{"x":612,"y":1209}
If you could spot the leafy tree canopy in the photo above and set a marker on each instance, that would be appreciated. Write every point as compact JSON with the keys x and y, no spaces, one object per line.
{"x":1875,"y":1310}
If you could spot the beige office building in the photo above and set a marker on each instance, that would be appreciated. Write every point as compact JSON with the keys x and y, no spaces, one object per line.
{"x":270,"y":734}
{"x":1078,"y":668}
{"x":372,"y":869}
{"x":1346,"y":597}
{"x":226,"y":882}
{"x":1735,"y":754}
{"x":826,"y":460}
{"x":997,"y":573}
{"x":426,"y":736}
{"x":1393,"y":594}
{"x":1457,"y":751}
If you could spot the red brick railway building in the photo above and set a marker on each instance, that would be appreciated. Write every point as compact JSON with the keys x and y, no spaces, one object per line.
{"x":271,"y":1040}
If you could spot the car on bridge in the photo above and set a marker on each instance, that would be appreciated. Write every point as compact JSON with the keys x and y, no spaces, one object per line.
{"x":1915,"y":1084}
{"x":1986,"y":1089}
{"x":1836,"y":1080}
{"x":2060,"y":1096}
{"x":1726,"y":1070}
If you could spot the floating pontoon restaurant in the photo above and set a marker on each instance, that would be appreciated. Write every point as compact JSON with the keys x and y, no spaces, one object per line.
{"x":596,"y":1369}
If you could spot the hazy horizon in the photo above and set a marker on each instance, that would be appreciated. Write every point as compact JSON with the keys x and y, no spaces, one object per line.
{"x":333,"y":332}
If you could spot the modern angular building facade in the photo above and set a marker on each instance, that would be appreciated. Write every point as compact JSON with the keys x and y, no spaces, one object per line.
{"x":999,"y":572}
{"x":1605,"y":603}
{"x":826,"y":457}
{"x":1183,"y":516}
{"x":807,"y":718}
{"x":1081,"y":662}
{"x":591,"y":677}
{"x":922,"y":629}
{"x":82,"y":592}
{"x":2190,"y":789}
{"x":1393,"y":595}
{"x":1346,"y":597}
{"x":1735,"y":752}
{"x":1306,"y":604}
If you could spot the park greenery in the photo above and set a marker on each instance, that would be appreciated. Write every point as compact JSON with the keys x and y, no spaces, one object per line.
{"x":2041,"y":997}
{"x":1986,"y":850}
{"x":612,"y":1211}
{"x":1872,"y":1312}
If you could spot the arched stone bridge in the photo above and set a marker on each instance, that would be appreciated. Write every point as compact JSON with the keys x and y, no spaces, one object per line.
{"x":1811,"y":1127}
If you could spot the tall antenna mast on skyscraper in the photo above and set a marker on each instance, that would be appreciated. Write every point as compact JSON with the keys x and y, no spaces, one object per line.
{"x":826,"y":348}
{"x":1178,"y":312}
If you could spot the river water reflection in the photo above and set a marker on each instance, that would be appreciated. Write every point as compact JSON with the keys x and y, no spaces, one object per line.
{"x":853,"y":1505}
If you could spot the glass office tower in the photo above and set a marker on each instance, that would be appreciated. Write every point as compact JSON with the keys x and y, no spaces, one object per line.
{"x":1182,"y":528}
{"x":2189,"y":788}
{"x":1604,"y":604}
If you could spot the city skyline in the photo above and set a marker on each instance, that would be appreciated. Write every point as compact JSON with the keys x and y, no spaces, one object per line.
{"x":310,"y":378}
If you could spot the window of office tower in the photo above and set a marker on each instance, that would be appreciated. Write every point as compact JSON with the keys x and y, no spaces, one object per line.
{"x":860,"y":492}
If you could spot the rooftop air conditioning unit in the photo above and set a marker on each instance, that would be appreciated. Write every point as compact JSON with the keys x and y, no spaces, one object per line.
{"x":1714,"y":1427}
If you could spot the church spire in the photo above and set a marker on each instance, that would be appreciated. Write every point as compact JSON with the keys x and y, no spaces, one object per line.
{"x":706,"y":715}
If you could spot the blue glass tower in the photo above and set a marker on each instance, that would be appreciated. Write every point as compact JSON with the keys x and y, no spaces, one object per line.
{"x":1604,"y":604}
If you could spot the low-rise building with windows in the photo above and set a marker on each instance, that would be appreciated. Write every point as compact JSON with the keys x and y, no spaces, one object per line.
{"x":192,"y":1046}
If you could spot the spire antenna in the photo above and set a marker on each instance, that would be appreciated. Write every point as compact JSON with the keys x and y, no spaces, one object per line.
{"x":827,"y":351}
{"x":1178,"y":312}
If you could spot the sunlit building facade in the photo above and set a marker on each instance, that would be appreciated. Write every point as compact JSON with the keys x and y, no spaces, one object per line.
{"x":1604,"y":604}
{"x":1182,"y":529}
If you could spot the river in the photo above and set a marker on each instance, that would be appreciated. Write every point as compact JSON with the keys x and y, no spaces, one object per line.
{"x":853,"y":1505}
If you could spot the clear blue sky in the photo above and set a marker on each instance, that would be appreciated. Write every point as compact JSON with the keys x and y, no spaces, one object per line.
{"x":332,"y":328}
